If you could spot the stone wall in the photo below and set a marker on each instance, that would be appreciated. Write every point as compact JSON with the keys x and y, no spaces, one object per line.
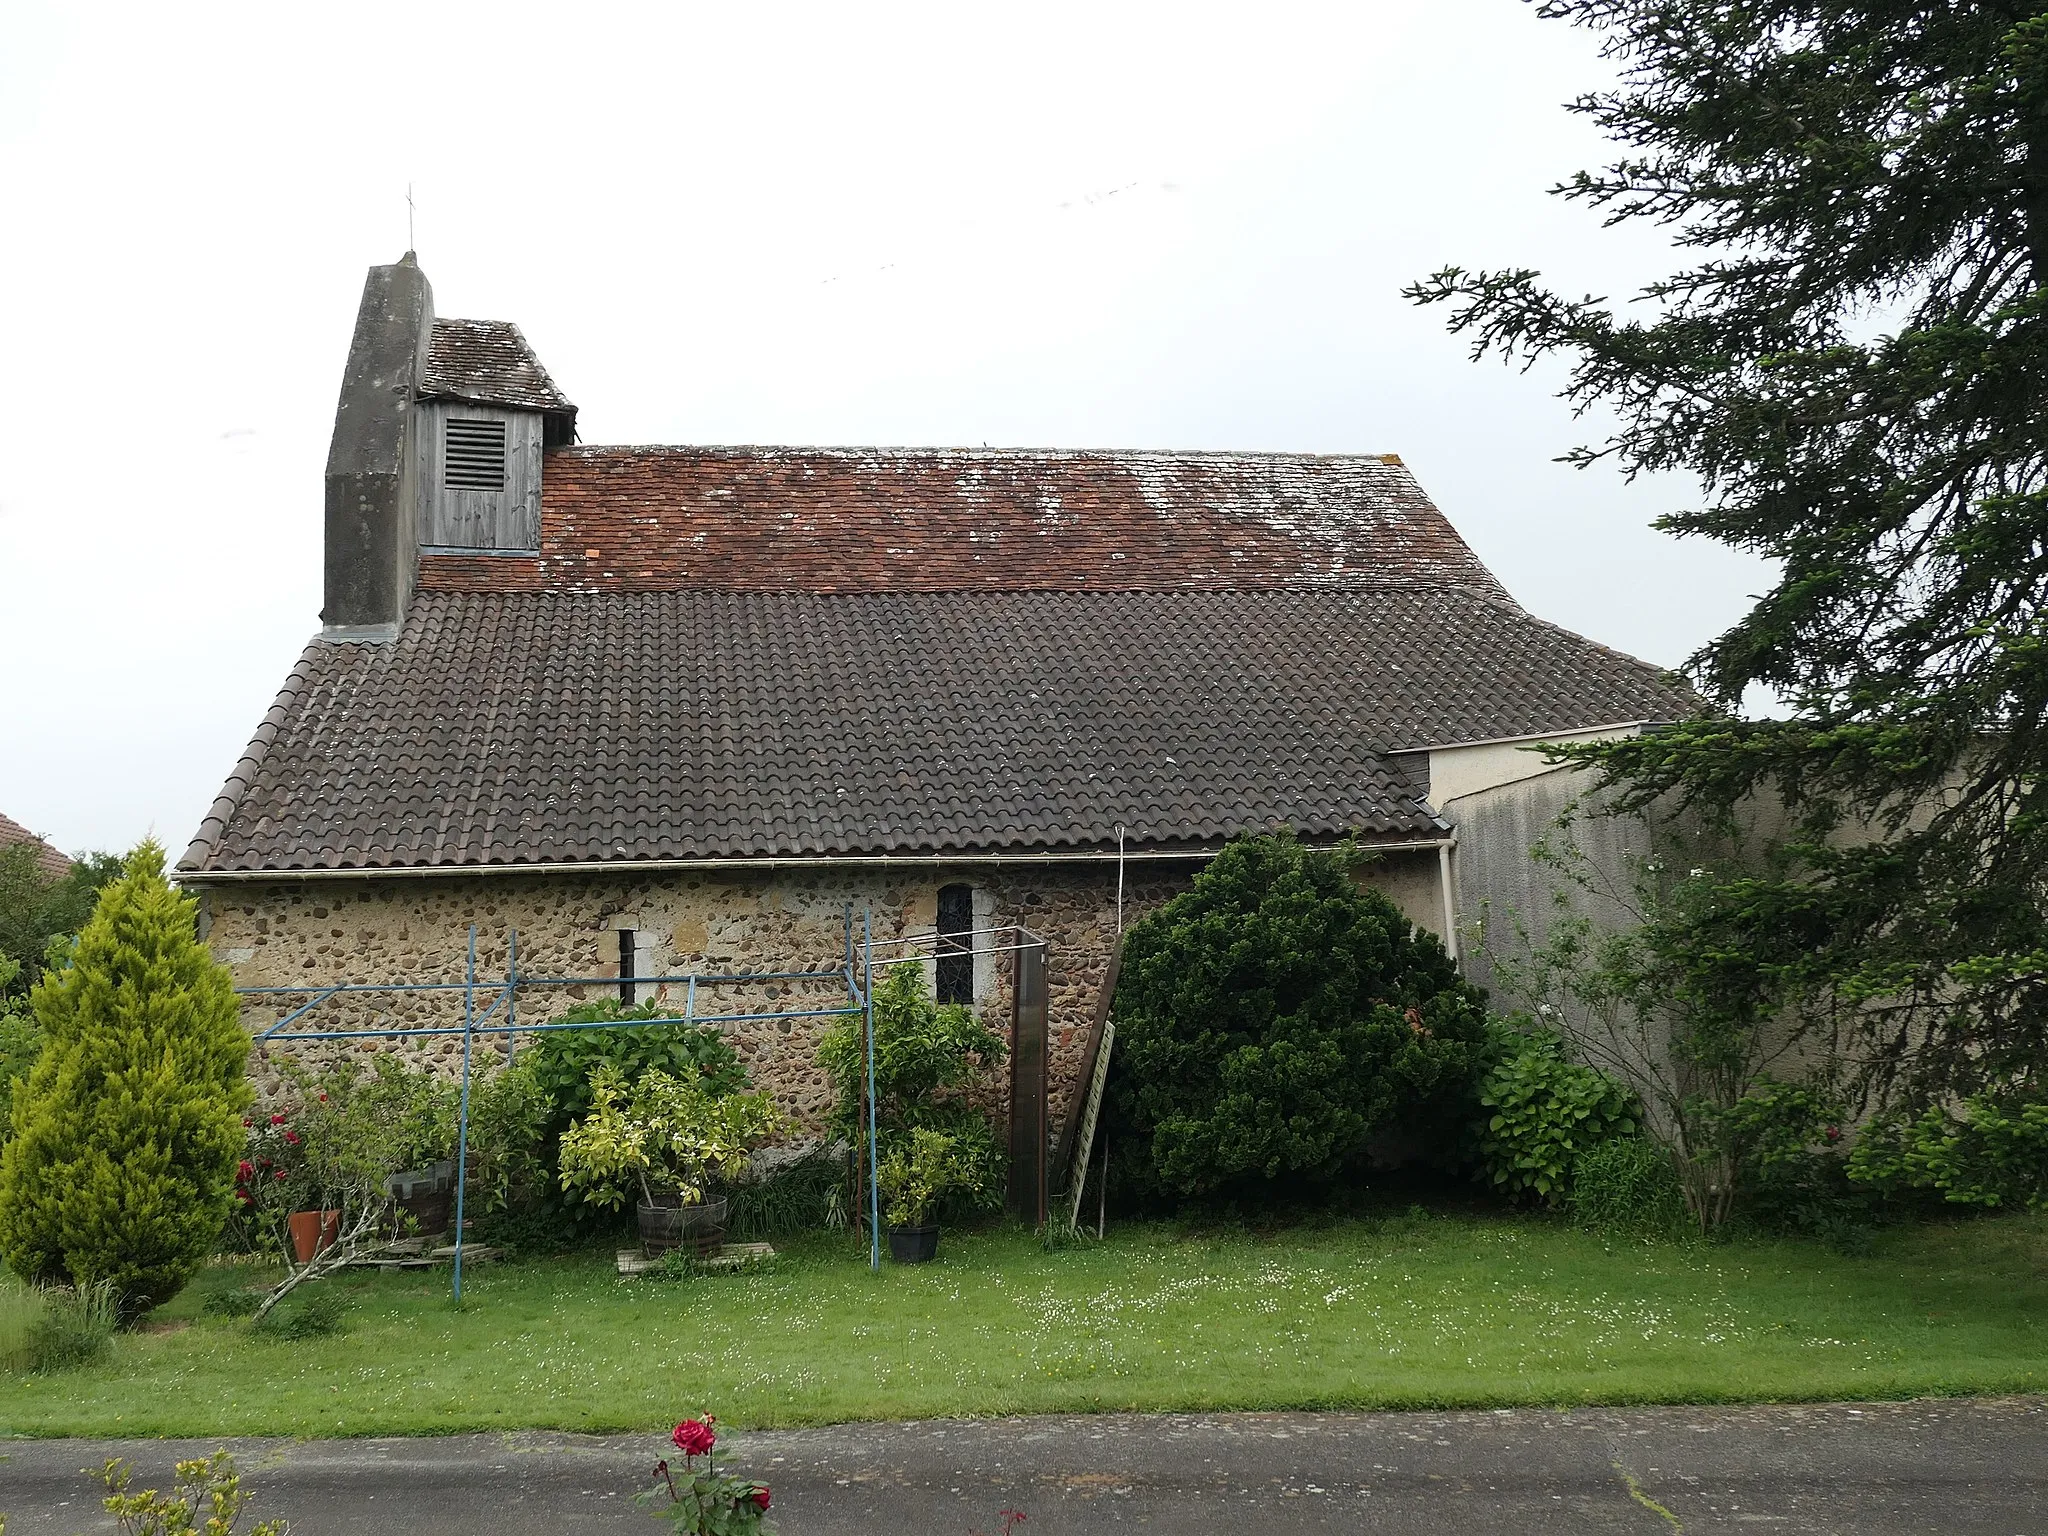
{"x":369,"y":931}
{"x":366,"y":931}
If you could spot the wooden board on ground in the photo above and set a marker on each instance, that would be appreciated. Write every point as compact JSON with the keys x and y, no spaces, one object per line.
{"x":421,"y":1253}
{"x":732,"y":1256}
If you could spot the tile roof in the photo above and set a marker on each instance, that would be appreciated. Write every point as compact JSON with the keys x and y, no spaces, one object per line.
{"x":48,"y":859}
{"x":510,"y":728}
{"x":488,"y":362}
{"x":914,"y":519}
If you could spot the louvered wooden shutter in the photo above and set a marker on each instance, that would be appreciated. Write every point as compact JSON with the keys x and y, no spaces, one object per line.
{"x":475,"y":456}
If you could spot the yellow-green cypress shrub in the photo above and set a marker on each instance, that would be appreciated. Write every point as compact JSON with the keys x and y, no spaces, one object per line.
{"x":125,"y":1136}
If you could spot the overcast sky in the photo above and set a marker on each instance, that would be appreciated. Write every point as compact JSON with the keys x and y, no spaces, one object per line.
{"x":1095,"y":226}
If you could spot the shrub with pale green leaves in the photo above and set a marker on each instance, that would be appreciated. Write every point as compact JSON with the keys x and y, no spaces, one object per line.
{"x":922,"y":1170}
{"x":660,"y":1133}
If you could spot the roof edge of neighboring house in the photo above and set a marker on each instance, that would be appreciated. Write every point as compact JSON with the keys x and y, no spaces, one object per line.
{"x":51,"y":859}
{"x":1508,"y":741}
{"x":186,"y":876}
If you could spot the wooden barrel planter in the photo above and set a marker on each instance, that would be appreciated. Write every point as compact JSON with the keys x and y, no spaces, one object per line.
{"x":427,"y":1195}
{"x":914,"y":1245}
{"x":668,"y":1224}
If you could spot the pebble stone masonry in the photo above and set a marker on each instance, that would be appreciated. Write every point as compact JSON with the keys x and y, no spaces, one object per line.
{"x":322,"y":932}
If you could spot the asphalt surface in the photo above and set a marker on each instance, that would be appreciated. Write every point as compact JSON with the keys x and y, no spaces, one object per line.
{"x":1957,"y":1467}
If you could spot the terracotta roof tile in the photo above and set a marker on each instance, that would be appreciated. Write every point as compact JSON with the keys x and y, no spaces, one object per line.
{"x":914,"y":519}
{"x":52,"y":863}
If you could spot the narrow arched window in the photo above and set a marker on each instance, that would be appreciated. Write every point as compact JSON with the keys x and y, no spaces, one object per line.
{"x":956,"y":944}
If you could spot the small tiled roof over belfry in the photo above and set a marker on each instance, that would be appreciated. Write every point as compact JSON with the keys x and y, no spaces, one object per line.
{"x":942,"y":520}
{"x":51,"y":862}
{"x":488,"y":362}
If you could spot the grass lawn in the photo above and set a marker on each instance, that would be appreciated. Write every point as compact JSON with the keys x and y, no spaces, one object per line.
{"x":1416,"y":1311}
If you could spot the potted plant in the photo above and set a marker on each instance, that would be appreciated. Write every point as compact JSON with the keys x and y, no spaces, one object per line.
{"x":275,"y":1189}
{"x":912,"y":1179}
{"x":663,"y":1139}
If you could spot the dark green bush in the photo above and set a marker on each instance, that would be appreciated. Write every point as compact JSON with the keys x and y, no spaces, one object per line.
{"x":562,"y":1060}
{"x":1991,"y":1151}
{"x":126,"y":1135}
{"x":1628,"y":1184}
{"x":1273,"y":1021}
{"x":1539,"y":1111}
{"x":237,"y":1301}
{"x":314,"y":1311}
{"x":1794,"y":1169}
{"x":792,"y":1199}
{"x":510,"y":1113}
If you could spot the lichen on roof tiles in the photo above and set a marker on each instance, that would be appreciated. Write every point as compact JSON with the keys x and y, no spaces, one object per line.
{"x":488,"y":362}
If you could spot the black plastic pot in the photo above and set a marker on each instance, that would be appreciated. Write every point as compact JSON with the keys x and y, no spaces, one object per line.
{"x":914,"y":1245}
{"x":669,"y":1224}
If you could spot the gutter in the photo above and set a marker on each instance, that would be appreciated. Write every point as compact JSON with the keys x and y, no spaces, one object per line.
{"x":1563,"y":733}
{"x":670,"y":866}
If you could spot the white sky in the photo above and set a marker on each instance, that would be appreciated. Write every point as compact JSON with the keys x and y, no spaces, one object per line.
{"x":1167,"y":226}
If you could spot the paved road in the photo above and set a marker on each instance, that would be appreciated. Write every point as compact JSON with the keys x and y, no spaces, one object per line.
{"x":1958,"y":1467}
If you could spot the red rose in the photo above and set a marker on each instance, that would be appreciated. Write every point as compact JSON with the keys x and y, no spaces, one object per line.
{"x":761,"y":1497}
{"x":280,"y":1175}
{"x":292,"y":1137}
{"x":246,"y":1171}
{"x":1833,"y":1134}
{"x":277,"y":1119}
{"x":693,"y":1437}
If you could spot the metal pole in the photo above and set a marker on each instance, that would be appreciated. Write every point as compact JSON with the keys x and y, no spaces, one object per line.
{"x":867,"y":998}
{"x":511,"y":996}
{"x":462,"y":1116}
{"x":1119,"y":879}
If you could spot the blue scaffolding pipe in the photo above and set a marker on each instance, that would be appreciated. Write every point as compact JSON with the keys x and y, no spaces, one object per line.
{"x":462,"y":1115}
{"x":867,"y":1003}
{"x":718,"y":978}
{"x":535,"y":1029}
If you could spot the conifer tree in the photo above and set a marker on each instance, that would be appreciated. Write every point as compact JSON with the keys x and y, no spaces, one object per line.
{"x":126,"y":1135}
{"x":1853,"y":362}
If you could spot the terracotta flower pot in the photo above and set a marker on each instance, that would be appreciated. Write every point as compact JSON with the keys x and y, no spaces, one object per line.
{"x":313,"y":1231}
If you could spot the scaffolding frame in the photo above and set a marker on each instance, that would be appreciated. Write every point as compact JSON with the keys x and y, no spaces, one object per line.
{"x":857,"y":974}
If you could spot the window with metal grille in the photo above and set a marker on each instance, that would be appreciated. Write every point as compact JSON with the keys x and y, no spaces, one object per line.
{"x":474,"y":455}
{"x":627,"y":991}
{"x":956,"y":943}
